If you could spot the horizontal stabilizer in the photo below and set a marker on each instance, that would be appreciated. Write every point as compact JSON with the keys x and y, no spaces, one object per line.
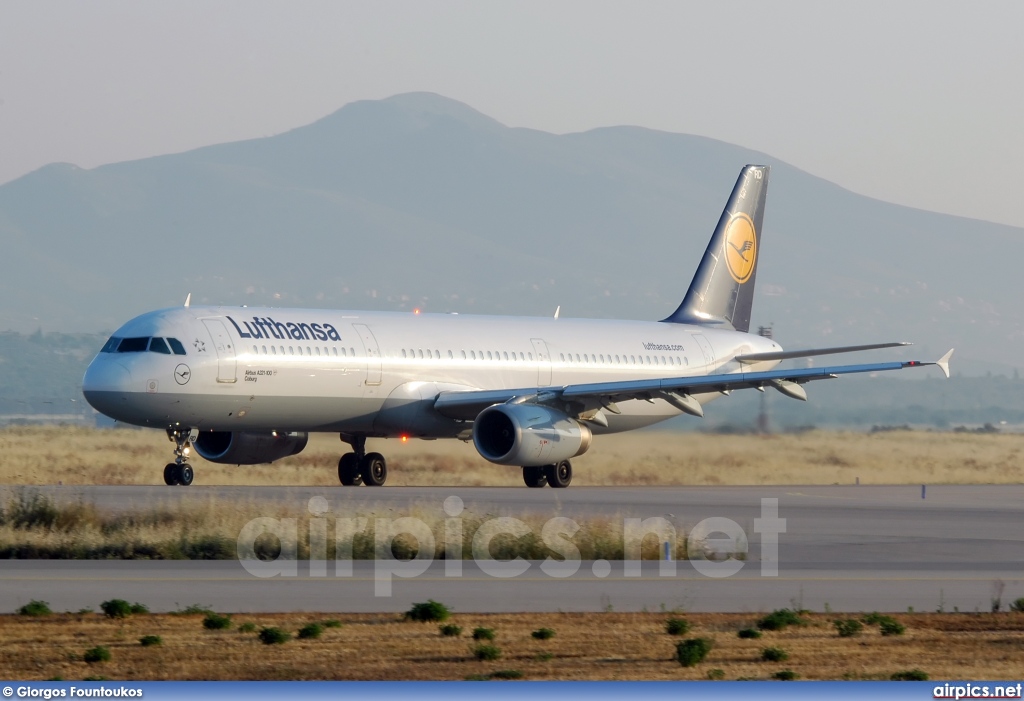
{"x":807,"y":353}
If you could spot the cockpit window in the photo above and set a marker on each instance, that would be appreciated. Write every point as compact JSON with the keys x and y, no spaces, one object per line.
{"x":140,"y":344}
{"x":133,"y":345}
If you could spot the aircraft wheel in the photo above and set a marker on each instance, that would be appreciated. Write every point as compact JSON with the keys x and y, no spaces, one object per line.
{"x":374,"y":470}
{"x":348,"y":470}
{"x":534,"y":477}
{"x":559,"y":475}
{"x":169,"y":474}
{"x":185,"y":475}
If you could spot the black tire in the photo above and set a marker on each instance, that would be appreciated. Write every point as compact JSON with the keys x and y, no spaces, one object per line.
{"x":348,"y":470}
{"x":374,"y":470}
{"x":535,"y":477}
{"x":559,"y":475}
{"x":185,"y":475}
{"x":170,"y":474}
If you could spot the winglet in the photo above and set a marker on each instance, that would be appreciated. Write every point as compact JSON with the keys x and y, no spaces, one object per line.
{"x":188,"y":299}
{"x":557,"y":310}
{"x":943,"y":362}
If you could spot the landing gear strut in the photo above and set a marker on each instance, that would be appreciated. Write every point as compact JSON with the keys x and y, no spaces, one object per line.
{"x":558,"y":475}
{"x":535,"y":477}
{"x":180,"y":472}
{"x":360,"y":467}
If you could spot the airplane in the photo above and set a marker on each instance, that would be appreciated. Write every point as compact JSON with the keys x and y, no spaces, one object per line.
{"x":246,"y":385}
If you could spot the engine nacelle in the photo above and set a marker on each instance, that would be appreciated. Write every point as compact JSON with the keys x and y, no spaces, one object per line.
{"x":242,"y":448}
{"x":528,"y":435}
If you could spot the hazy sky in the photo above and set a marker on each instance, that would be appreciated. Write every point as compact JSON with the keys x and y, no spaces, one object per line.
{"x":920,"y":103}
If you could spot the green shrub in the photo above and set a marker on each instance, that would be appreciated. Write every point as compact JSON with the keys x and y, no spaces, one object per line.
{"x":450,"y":630}
{"x":150,"y":640}
{"x":247,"y":627}
{"x":483,"y":634}
{"x":873,"y":619}
{"x":892,"y":627}
{"x":543,"y":634}
{"x":749,"y":634}
{"x":428,"y":611}
{"x":786,"y":675}
{"x":774,"y":654}
{"x":716,"y":674}
{"x":544,"y":656}
{"x":274,"y":636}
{"x":194,"y":610}
{"x":486,"y":652}
{"x":311,"y":631}
{"x":97,"y":654}
{"x":332,"y":623}
{"x":96,"y":678}
{"x":677,"y":626}
{"x":215,"y":621}
{"x":139,"y":609}
{"x":31,"y":510}
{"x":693,"y":651}
{"x":848,"y":627}
{"x":35,"y":608}
{"x":910,"y":675}
{"x":779,"y":619}
{"x":116,"y":608}
{"x":507,"y":674}
{"x":1018,"y":605}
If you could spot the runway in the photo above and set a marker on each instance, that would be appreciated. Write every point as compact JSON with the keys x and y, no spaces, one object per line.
{"x":847,"y":548}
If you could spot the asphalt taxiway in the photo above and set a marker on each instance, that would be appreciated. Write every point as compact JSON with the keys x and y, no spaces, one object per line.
{"x":847,"y":548}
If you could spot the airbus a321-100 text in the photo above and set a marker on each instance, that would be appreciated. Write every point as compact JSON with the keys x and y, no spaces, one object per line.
{"x":245,"y":386}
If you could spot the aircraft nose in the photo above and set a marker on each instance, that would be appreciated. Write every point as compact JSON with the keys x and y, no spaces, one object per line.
{"x":103,"y":379}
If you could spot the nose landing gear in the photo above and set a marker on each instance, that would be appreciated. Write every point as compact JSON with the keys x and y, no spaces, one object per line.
{"x":180,"y":472}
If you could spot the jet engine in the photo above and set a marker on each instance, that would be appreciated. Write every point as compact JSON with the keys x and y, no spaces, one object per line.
{"x":528,"y":435}
{"x":243,"y":448}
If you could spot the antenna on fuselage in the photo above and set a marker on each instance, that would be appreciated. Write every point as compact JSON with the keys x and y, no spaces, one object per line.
{"x":188,"y":299}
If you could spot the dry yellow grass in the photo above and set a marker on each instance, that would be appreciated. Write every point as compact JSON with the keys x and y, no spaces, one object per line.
{"x":586,"y":646}
{"x":51,"y":455}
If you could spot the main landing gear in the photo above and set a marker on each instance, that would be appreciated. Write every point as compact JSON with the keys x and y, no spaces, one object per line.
{"x":180,"y":472}
{"x":558,"y":475}
{"x":360,"y":467}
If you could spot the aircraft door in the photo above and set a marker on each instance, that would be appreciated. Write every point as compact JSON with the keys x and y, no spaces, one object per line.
{"x":705,"y":349}
{"x":225,"y":348}
{"x":373,"y":370}
{"x":540,"y":348}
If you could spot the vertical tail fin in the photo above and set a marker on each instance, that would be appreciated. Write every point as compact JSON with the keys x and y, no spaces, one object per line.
{"x":722,"y":290}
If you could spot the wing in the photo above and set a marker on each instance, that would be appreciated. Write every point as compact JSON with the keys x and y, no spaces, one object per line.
{"x":585,"y":400}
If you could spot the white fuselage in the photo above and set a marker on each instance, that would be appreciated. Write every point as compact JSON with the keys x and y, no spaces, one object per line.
{"x":377,"y":373}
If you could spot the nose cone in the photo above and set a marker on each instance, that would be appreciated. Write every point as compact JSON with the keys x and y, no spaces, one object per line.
{"x":106,"y":384}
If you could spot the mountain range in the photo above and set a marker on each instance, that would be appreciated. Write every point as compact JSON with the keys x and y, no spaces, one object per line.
{"x":419,"y":201}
